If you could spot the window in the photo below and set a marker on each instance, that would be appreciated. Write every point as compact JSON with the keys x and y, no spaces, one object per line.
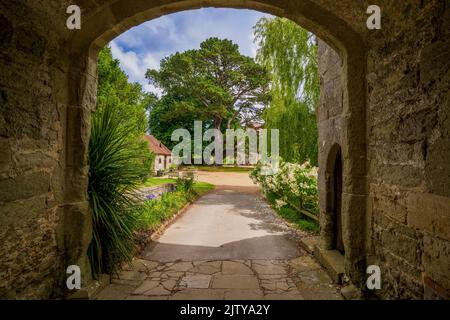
{"x":159,"y":160}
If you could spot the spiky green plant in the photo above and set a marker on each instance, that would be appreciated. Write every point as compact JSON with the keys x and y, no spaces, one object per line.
{"x":118,"y":162}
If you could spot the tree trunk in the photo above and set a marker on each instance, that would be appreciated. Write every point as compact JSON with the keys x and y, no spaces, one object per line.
{"x":217,"y":123}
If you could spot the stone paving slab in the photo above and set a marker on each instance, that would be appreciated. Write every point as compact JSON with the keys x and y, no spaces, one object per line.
{"x":288,"y":279}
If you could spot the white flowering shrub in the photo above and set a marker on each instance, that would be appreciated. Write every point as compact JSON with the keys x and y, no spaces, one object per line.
{"x":294,"y":184}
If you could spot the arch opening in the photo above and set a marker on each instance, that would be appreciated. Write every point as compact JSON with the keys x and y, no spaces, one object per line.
{"x":114,"y":19}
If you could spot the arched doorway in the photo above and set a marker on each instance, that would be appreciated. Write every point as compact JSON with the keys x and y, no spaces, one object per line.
{"x":115,"y":17}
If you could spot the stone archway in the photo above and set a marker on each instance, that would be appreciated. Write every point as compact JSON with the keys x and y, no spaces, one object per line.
{"x":115,"y":17}
{"x":331,"y":220}
{"x":391,"y":120}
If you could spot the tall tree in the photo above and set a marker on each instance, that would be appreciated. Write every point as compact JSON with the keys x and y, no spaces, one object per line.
{"x":214,"y":82}
{"x":164,"y":119}
{"x":114,"y":88}
{"x":128,"y":101}
{"x":290,"y":54}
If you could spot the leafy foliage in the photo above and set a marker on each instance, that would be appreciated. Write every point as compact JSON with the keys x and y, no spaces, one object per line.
{"x":165,"y":117}
{"x":152,"y":213}
{"x":290,"y":54}
{"x":129,"y":100}
{"x":293,"y":186}
{"x":117,"y":166}
{"x":213,"y":83}
{"x":119,"y":161}
{"x":185,"y":184}
{"x":291,"y":215}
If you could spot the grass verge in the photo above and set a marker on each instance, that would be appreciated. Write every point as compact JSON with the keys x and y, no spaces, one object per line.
{"x":152,"y":181}
{"x":152,"y":214}
{"x":221,"y":168}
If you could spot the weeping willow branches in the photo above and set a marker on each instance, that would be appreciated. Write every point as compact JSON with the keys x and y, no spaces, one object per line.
{"x":290,"y":54}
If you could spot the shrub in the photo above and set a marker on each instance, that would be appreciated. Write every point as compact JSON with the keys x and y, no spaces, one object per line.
{"x":118,"y":162}
{"x":294,"y":185}
{"x":185,"y":184}
{"x":155,"y":210}
{"x":152,"y":212}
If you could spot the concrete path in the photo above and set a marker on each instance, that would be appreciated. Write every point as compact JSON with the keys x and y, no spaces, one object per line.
{"x":225,"y":224}
{"x":228,"y":245}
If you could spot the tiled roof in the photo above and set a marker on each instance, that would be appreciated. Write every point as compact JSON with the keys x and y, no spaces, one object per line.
{"x":156,"y":146}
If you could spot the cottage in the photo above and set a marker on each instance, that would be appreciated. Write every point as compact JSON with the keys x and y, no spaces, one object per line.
{"x":163,"y":156}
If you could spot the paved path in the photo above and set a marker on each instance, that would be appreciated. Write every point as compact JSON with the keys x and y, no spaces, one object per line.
{"x":228,"y":245}
{"x":225,"y":224}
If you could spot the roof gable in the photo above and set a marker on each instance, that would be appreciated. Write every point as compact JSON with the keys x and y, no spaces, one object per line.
{"x":156,"y":146}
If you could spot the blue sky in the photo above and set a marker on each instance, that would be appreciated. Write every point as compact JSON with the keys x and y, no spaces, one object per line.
{"x":143,"y":47}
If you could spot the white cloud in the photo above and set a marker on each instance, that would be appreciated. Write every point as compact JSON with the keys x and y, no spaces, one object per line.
{"x":150,"y":61}
{"x":143,"y":47}
{"x":253,"y":45}
{"x":135,"y":65}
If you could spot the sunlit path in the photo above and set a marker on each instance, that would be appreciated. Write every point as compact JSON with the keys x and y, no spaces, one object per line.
{"x":227,"y":245}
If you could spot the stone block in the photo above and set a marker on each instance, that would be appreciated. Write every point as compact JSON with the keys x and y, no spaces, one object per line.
{"x":264,"y":267}
{"x":350,"y":292}
{"x":234,"y":282}
{"x":433,"y":290}
{"x":400,"y":175}
{"x":25,"y":186}
{"x":196,"y":281}
{"x":333,"y":261}
{"x":402,"y":246}
{"x":428,"y":212}
{"x":437,"y":168}
{"x":436,"y":260}
{"x":15,"y":212}
{"x":231,"y":267}
{"x":309,"y":243}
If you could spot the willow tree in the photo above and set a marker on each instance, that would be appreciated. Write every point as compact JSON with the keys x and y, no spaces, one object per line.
{"x":289,"y":53}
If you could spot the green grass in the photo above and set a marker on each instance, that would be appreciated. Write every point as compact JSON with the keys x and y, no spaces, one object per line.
{"x":199,"y":187}
{"x":221,"y":168}
{"x":152,"y":181}
{"x":293,"y":216}
{"x":202,"y":187}
{"x":153,"y":213}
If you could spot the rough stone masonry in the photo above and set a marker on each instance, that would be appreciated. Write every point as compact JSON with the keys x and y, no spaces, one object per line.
{"x":385,"y":101}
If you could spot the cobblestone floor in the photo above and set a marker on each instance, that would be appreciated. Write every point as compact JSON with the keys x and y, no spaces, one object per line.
{"x":295,"y":279}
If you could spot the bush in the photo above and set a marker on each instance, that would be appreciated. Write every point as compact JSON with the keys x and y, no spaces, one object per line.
{"x":118,"y":162}
{"x":294,"y":186}
{"x":185,"y":184}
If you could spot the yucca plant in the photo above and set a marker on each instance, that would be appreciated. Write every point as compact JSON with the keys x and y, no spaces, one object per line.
{"x":118,"y":161}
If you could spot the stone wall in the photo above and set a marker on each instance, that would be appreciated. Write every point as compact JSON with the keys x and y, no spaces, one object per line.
{"x":408,"y":81}
{"x":396,"y":149}
{"x":329,"y":118}
{"x":408,"y":119}
{"x":31,"y":155}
